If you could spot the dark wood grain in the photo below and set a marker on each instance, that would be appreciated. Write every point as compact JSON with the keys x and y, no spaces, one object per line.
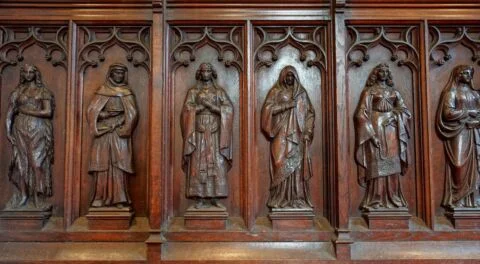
{"x":326,"y":41}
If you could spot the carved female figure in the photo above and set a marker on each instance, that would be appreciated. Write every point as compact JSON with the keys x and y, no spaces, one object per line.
{"x":458,"y":122}
{"x":381,"y":127}
{"x":207,"y":124}
{"x":287,"y":119}
{"x":30,"y":131}
{"x":112,"y":117}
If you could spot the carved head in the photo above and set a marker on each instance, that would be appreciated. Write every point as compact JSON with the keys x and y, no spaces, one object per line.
{"x":117,"y":74}
{"x":30,"y":73}
{"x":463,"y":74}
{"x":381,"y":73}
{"x":206,"y":72}
{"x":288,"y":76}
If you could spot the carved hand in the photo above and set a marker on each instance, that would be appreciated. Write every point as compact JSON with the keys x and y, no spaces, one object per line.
{"x":203,"y":98}
{"x":11,"y":139}
{"x":208,"y":104}
{"x":103,"y":114}
{"x":389,"y":121}
{"x":205,"y":102}
{"x":376,"y":142}
{"x":292,"y":104}
{"x":200,"y":107}
{"x":287,"y":106}
{"x":307,"y":138}
{"x":24,"y":110}
{"x":473,"y":123}
{"x":473,"y":113}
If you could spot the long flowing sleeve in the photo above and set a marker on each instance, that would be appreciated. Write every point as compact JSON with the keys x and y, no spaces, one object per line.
{"x":98,"y":159}
{"x":226,"y":129}
{"x":449,"y":118}
{"x":12,"y":108}
{"x":131,"y":116}
{"x":98,"y":102}
{"x":403,"y":115}
{"x":268,"y":113}
{"x":305,"y":114}
{"x":188,"y":125}
{"x":363,"y":127}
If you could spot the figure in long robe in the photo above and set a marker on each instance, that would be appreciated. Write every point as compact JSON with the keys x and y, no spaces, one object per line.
{"x":112,"y":117}
{"x":382,"y":133}
{"x":287,"y":119}
{"x":30,"y":131}
{"x":207,"y":127}
{"x":458,"y":123}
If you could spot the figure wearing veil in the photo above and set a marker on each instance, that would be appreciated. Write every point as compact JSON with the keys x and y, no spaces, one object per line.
{"x":287,"y":119}
{"x":112,"y":117}
{"x":458,"y":122}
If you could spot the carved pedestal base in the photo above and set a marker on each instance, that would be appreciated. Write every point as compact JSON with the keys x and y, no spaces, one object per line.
{"x":109,"y":218}
{"x":292,"y":218}
{"x":464,"y":218}
{"x":397,"y":218}
{"x":212,"y":218}
{"x":28,"y":219}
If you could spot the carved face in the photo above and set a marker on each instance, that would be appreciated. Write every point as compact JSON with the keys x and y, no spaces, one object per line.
{"x":118,"y":75}
{"x":29,"y":73}
{"x":465,"y":76}
{"x":382,"y":74}
{"x":205,"y":72}
{"x":290,"y":78}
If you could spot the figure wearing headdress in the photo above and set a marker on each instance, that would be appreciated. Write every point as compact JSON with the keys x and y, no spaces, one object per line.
{"x":458,"y":123}
{"x":287,"y":120}
{"x":112,"y":117}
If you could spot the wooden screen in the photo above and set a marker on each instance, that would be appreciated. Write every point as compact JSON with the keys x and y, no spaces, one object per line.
{"x":374,"y":144}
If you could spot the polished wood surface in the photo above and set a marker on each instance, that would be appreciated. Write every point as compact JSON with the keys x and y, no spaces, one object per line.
{"x":333,"y":45}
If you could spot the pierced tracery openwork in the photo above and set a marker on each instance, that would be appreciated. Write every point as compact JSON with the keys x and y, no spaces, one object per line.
{"x":15,"y":40}
{"x":398,"y":40}
{"x":309,"y":41}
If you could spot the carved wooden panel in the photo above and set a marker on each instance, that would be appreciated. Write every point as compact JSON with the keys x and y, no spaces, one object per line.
{"x":46,"y":48}
{"x":449,"y":46}
{"x":98,"y":48}
{"x":304,"y":48}
{"x":397,"y":47}
{"x":223,"y":48}
{"x":333,"y":46}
